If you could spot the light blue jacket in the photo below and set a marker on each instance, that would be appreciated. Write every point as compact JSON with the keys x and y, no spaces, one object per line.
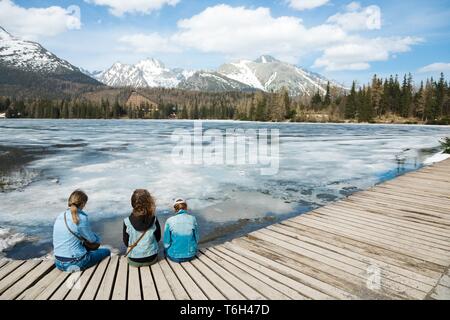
{"x":65,"y":244}
{"x":147,"y":246}
{"x":181,"y":236}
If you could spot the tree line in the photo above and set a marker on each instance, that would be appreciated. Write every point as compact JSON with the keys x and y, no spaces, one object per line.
{"x":381,"y":100}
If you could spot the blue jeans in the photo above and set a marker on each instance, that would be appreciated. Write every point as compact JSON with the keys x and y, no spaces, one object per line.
{"x":89,"y":260}
{"x":177,"y":260}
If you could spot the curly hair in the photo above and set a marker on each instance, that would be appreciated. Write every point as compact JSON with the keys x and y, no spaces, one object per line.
{"x":143,"y":203}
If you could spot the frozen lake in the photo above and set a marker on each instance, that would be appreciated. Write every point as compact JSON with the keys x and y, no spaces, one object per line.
{"x":43,"y":161}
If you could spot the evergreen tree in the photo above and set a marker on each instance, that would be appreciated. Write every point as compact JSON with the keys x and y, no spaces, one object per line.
{"x":351,"y":104}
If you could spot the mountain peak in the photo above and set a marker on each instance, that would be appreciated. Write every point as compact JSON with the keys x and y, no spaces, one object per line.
{"x":151,"y":62}
{"x":266,"y":59}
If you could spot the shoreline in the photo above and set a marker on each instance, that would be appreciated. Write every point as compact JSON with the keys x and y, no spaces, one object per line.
{"x":238,"y":121}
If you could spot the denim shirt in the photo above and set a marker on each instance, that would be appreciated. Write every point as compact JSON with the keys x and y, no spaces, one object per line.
{"x":181,"y":236}
{"x":65,"y":244}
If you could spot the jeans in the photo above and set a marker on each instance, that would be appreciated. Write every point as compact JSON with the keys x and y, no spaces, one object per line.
{"x":177,"y":260}
{"x":89,"y":260}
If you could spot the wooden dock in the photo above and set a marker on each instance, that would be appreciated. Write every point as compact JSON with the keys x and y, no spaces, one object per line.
{"x":389,"y":242}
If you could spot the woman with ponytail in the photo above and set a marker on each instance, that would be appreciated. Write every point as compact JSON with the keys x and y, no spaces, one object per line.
{"x":76,"y":247}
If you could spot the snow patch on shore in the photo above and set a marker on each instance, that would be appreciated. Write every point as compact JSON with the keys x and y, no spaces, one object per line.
{"x":438,"y":157}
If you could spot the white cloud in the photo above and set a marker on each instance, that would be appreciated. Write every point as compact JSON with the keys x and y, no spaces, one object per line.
{"x":120,"y":7}
{"x":148,"y":43}
{"x":33,"y":23}
{"x":306,"y":4}
{"x":358,"y":18}
{"x":435,"y":67}
{"x":358,"y":53}
{"x":240,"y":32}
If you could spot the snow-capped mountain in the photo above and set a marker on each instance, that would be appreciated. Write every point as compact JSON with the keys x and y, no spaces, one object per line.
{"x":265,"y":73}
{"x":271,"y":75}
{"x":146,"y":73}
{"x":19,"y":55}
{"x":212,"y":81}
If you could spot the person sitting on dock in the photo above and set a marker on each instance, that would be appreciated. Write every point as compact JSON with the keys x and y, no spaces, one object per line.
{"x":181,"y":234}
{"x":76,"y":247}
{"x":142,"y":231}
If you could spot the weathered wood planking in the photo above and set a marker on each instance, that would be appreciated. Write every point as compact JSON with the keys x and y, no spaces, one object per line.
{"x":399,"y":229}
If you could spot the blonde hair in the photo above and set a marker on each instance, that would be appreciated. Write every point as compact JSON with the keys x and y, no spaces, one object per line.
{"x":143,"y":203}
{"x":77,"y":200}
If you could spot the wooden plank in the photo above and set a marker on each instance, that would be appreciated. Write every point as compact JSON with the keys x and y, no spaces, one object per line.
{"x":384,"y":231}
{"x":191,"y":287}
{"x":423,"y":249}
{"x":177,"y":288}
{"x":425,"y":252}
{"x":9,"y":268}
{"x":367,"y":260}
{"x":211,"y":292}
{"x":384,"y":221}
{"x":425,"y":268}
{"x":438,"y":210}
{"x":120,"y":286}
{"x":263,"y":283}
{"x":334,"y":276}
{"x":33,"y":292}
{"x":106,"y":288}
{"x":81,"y":285}
{"x":348,"y":269}
{"x":240,"y":285}
{"x":374,"y":243}
{"x":373,"y":240}
{"x":148,"y":285}
{"x":298,"y":276}
{"x":162,"y":286}
{"x":17,"y":274}
{"x":226,"y":289}
{"x":431,"y":194}
{"x":94,"y":284}
{"x":53,"y":286}
{"x":269,"y":283}
{"x":424,"y":215}
{"x":3,"y":262}
{"x":70,"y":283}
{"x":394,"y":216}
{"x":412,"y":192}
{"x":29,"y":280}
{"x":134,"y":284}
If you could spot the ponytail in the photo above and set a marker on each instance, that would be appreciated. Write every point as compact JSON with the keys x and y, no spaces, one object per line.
{"x":77,"y":200}
{"x":74,"y":212}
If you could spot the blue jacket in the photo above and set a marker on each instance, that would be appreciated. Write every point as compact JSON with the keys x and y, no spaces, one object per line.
{"x":181,"y":236}
{"x":65,"y":244}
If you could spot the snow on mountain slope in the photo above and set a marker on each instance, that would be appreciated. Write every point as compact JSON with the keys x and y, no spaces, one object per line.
{"x":212,"y":81}
{"x":29,"y":56}
{"x":269,"y":74}
{"x":146,"y":73}
{"x":265,"y":73}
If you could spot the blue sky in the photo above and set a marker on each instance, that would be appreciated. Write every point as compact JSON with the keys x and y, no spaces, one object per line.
{"x":343,"y":40}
